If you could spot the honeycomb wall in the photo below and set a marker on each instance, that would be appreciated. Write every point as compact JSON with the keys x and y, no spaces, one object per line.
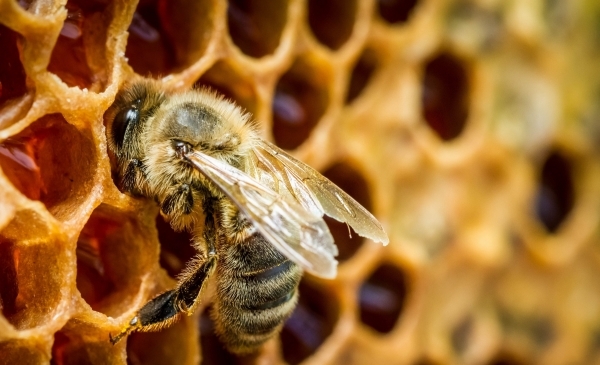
{"x":471,"y":128}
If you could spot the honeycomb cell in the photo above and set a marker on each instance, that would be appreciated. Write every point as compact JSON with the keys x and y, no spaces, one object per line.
{"x":70,"y":347}
{"x":31,"y":281}
{"x":255,"y":26}
{"x":299,"y":102}
{"x":21,"y":352}
{"x":111,"y":257}
{"x":395,"y":11}
{"x":361,"y":74}
{"x":555,"y":194}
{"x":382,"y":297}
{"x":167,"y":36}
{"x":50,"y":161}
{"x":349,"y":180}
{"x":213,"y":352}
{"x":332,"y":21}
{"x":172,"y":345}
{"x":79,"y":56}
{"x":12,"y":73}
{"x":175,"y":247}
{"x":311,"y":323}
{"x":224,"y":79}
{"x":445,"y":96}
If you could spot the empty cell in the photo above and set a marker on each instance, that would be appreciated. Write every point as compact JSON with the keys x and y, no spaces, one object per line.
{"x":299,"y":103}
{"x":110,"y":259}
{"x":361,"y":74}
{"x":395,"y":11}
{"x":555,"y":193}
{"x":175,"y":247}
{"x":351,"y":181}
{"x":255,"y":26}
{"x":30,"y":281}
{"x":166,"y":36}
{"x":79,"y":56}
{"x":224,"y":79}
{"x":332,"y":21}
{"x":171,"y":345}
{"x":213,"y":352}
{"x":50,"y":161}
{"x":70,"y":348}
{"x":12,"y":73}
{"x":445,"y":96}
{"x":382,"y":297}
{"x":311,"y":323}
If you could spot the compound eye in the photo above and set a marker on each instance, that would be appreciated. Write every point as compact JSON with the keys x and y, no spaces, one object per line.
{"x":123,"y":119}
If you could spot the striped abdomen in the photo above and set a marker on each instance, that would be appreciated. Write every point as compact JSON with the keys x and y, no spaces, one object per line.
{"x":256,"y":293}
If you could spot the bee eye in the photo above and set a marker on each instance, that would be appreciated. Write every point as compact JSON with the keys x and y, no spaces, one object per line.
{"x":122,"y":120}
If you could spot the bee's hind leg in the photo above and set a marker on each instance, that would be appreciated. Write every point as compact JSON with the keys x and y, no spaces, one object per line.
{"x":164,"y":309}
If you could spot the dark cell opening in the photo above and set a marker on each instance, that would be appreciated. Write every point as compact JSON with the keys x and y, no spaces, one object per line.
{"x":332,"y":21}
{"x":506,"y":359}
{"x":396,"y":11}
{"x":109,"y":259}
{"x":311,"y":323}
{"x":175,"y":247}
{"x":71,"y":349}
{"x":555,"y":195}
{"x":213,"y":351}
{"x":299,"y":102}
{"x":83,"y":31}
{"x":158,"y":348}
{"x":12,"y":73}
{"x":462,"y":334}
{"x":382,"y":298}
{"x":50,"y":161}
{"x":225,"y":80}
{"x":361,"y":74}
{"x":445,"y":96}
{"x":167,"y":35}
{"x":27,"y":298}
{"x":349,"y":180}
{"x":255,"y":26}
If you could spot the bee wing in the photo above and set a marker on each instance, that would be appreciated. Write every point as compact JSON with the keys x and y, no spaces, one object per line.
{"x":316,"y":193}
{"x":296,"y":232}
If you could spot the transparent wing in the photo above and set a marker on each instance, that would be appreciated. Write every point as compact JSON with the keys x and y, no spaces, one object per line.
{"x":315,"y":192}
{"x":298,"y":233}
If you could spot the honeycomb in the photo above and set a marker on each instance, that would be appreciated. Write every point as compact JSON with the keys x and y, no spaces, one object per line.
{"x":471,"y":128}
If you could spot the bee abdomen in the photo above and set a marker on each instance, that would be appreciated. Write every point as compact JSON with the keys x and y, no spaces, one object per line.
{"x":253,"y":299}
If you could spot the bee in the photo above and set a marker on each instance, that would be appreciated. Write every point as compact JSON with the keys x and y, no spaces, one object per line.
{"x":255,"y":213}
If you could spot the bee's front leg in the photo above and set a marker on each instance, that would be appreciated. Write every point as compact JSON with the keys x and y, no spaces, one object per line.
{"x":133,"y":177}
{"x":180,"y":200}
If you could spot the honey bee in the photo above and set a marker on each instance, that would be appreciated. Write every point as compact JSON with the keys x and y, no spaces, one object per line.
{"x":255,"y":212}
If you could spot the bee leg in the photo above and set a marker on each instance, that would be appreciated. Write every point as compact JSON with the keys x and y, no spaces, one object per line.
{"x":165,"y":308}
{"x":181,"y":200}
{"x":131,"y":177}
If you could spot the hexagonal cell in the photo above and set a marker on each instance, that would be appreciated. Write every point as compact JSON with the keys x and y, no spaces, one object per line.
{"x":32,"y":275}
{"x":351,"y":181}
{"x":175,"y":248}
{"x":12,"y":73}
{"x":299,"y":102}
{"x":167,"y":36}
{"x":50,"y":161}
{"x":311,"y":323}
{"x":176,"y":344}
{"x":213,"y":352}
{"x":70,"y":347}
{"x":22,"y":352}
{"x":112,"y":255}
{"x":382,"y":297}
{"x":224,"y":79}
{"x":79,"y":56}
{"x":332,"y":21}
{"x":255,"y":26}
{"x":445,"y":96}
{"x":361,"y":74}
{"x":395,"y":11}
{"x":556,"y":195}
